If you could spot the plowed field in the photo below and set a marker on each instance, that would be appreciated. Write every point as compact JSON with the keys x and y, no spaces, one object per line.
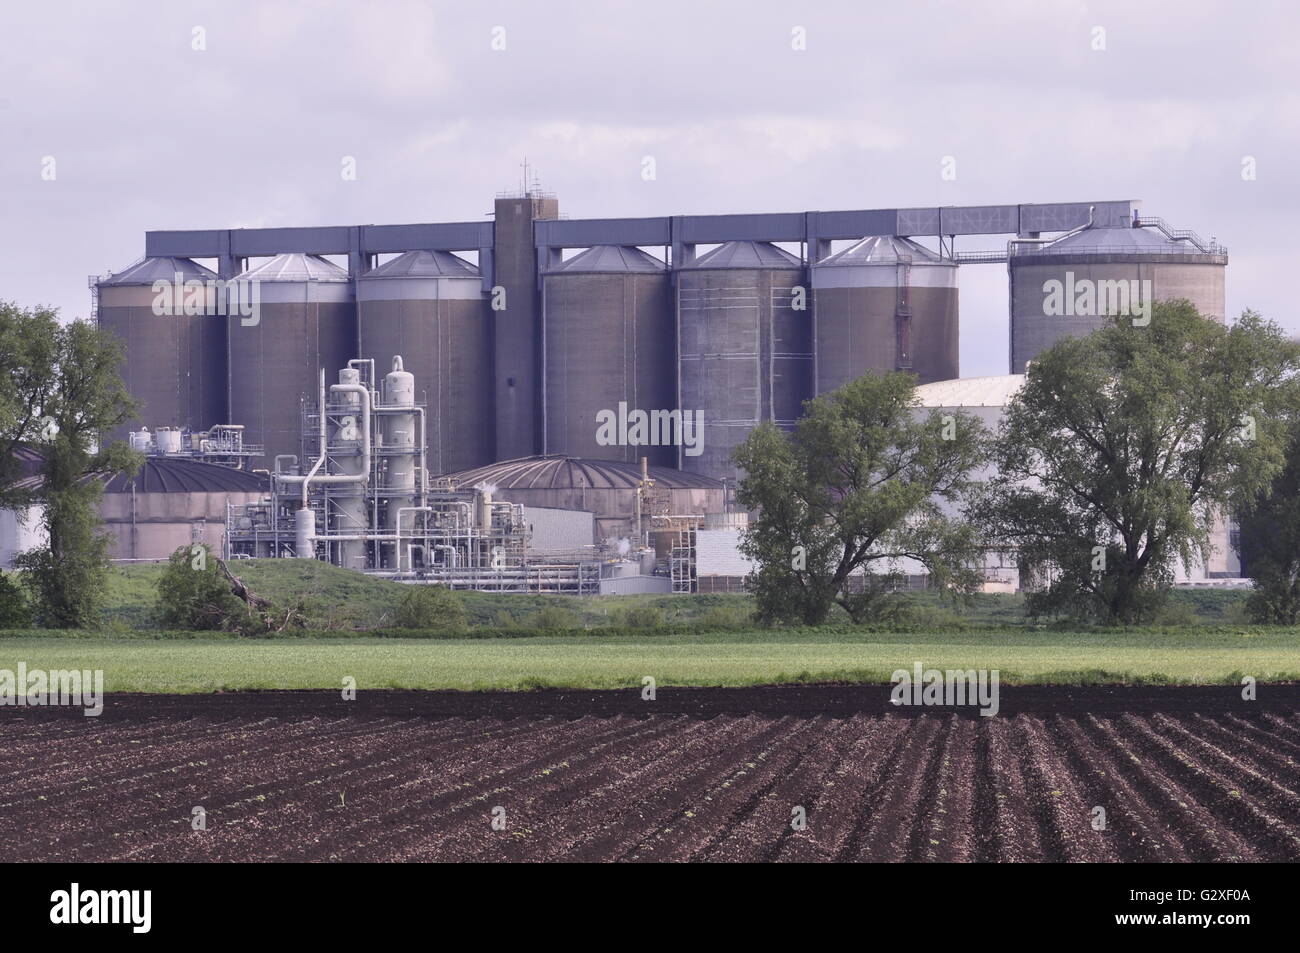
{"x":304,"y":777}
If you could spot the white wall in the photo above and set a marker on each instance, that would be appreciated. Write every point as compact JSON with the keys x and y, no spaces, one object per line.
{"x":19,"y":531}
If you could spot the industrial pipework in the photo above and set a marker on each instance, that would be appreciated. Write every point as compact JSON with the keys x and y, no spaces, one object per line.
{"x":366,"y":501}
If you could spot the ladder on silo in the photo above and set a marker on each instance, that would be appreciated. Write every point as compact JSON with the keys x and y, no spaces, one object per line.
{"x":903,"y":315}
{"x":94,"y":281}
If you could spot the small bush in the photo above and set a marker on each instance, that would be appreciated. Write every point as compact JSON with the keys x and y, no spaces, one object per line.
{"x":722,"y":618}
{"x":642,"y":617}
{"x":430,"y":607}
{"x":556,"y":617}
{"x":194,"y":594}
{"x":15,"y":612}
{"x":1177,"y":614}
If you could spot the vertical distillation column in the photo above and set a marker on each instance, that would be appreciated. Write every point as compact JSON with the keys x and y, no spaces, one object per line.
{"x":400,"y":452}
{"x":346,"y":504}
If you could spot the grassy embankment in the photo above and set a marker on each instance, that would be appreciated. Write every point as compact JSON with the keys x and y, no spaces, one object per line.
{"x":703,"y":640}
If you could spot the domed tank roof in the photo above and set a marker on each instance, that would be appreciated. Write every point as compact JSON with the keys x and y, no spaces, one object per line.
{"x":149,"y":270}
{"x":159,"y":475}
{"x":1116,"y":241}
{"x":751,"y":255}
{"x":994,"y":391}
{"x":295,"y":266}
{"x":424,"y":264}
{"x":609,"y":259}
{"x":556,"y":471}
{"x":883,"y":250}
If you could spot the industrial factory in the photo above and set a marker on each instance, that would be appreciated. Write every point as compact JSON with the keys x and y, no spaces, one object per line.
{"x":423,"y":401}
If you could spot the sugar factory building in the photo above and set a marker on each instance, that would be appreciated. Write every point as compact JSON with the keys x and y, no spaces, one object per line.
{"x":423,"y":400}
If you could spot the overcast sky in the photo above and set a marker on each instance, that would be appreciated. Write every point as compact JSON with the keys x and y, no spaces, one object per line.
{"x":147,"y":132}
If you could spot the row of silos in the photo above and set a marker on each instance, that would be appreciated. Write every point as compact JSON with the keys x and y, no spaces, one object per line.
{"x":741,"y":335}
{"x":215,"y":363}
{"x":752,"y":341}
{"x":736,"y":340}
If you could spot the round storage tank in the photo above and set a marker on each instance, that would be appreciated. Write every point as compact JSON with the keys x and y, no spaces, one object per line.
{"x":607,"y":349}
{"x":1099,"y":260}
{"x":306,"y":322}
{"x":429,"y":308}
{"x":884,"y":304}
{"x":744,"y":355}
{"x":173,"y":363}
{"x":150,"y":514}
{"x":604,"y":488}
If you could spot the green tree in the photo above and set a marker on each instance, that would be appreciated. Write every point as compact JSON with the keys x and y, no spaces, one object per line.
{"x":1124,"y":448}
{"x":864,"y":480}
{"x":28,"y":358}
{"x":194,"y":594}
{"x":14,"y":611}
{"x":1270,"y":544}
{"x":83,"y":397}
{"x":430,"y":607}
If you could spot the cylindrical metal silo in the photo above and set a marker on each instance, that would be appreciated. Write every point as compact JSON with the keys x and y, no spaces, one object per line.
{"x":884,"y":304}
{"x":744,"y":354}
{"x":607,"y":340}
{"x":173,"y":345}
{"x":1093,"y":261}
{"x":306,"y":321}
{"x":429,"y":307}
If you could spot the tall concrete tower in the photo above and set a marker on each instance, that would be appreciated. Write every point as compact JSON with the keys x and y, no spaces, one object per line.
{"x":516,"y":329}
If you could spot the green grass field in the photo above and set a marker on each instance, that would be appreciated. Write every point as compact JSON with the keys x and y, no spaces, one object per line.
{"x":596,"y":661}
{"x":703,"y":640}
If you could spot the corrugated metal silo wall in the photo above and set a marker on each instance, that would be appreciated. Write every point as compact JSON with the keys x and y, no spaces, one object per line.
{"x":744,"y":356}
{"x":606,"y":339}
{"x":1197,"y":278}
{"x":173,"y":365}
{"x":856,"y":333}
{"x":275,"y":366}
{"x":444,"y":337}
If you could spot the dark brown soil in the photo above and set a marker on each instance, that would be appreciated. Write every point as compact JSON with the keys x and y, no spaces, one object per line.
{"x":698,"y":774}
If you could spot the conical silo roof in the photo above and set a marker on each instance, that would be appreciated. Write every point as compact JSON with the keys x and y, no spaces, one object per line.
{"x":425,"y":264}
{"x":609,"y":259}
{"x":295,"y":267}
{"x":882,"y":250}
{"x":744,"y":254}
{"x":1117,"y":241}
{"x":149,"y":270}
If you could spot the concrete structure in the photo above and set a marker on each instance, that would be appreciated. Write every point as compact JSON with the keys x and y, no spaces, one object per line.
{"x":744,"y":353}
{"x":607,"y":340}
{"x":308,"y":321}
{"x":884,"y":304}
{"x":170,"y":503}
{"x":429,"y":307}
{"x":173,"y":347}
{"x":1095,"y":260}
{"x":173,"y":503}
{"x":516,"y":327}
